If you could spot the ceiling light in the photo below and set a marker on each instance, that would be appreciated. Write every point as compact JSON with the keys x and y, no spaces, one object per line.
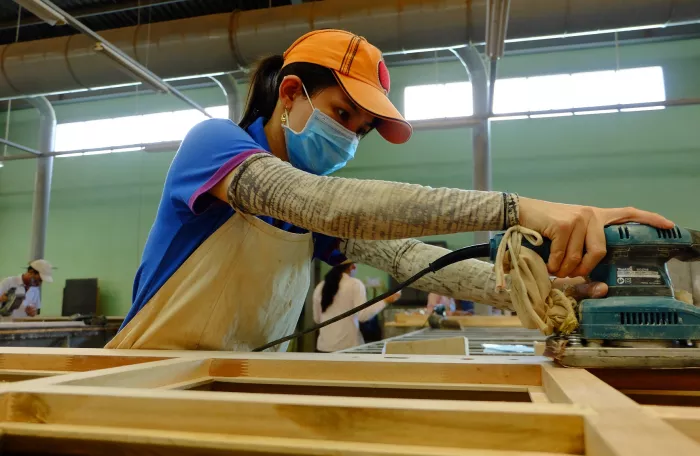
{"x":42,"y":11}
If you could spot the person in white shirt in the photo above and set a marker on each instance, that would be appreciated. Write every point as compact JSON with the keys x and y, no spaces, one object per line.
{"x":339,"y":292}
{"x":21,"y":294}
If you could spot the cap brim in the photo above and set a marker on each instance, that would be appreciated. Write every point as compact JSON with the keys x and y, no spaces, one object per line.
{"x":393,"y":127}
{"x":46,"y":278}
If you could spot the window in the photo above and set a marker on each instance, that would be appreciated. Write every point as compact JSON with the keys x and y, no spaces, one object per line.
{"x":114,"y":135}
{"x":539,"y":94}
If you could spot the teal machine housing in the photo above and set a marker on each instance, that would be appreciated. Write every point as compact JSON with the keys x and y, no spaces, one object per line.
{"x":640,"y":303}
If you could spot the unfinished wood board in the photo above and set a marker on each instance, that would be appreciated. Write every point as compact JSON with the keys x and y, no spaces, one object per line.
{"x":67,"y":361}
{"x":445,"y":346}
{"x":495,"y":321}
{"x":664,"y":397}
{"x":390,"y":368}
{"x":279,"y":403}
{"x":62,"y":439}
{"x":498,"y":426}
{"x":685,"y":419}
{"x":400,"y":391}
{"x":620,"y":427}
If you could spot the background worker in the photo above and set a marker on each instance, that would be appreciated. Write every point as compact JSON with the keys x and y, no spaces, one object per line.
{"x":339,"y":292}
{"x":245,"y":207}
{"x":21,"y":294}
{"x":435,"y":299}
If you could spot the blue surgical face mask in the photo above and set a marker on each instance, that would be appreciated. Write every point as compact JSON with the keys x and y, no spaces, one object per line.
{"x":322,"y":147}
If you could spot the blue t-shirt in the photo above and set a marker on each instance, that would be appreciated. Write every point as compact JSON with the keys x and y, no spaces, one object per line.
{"x":188,"y":214}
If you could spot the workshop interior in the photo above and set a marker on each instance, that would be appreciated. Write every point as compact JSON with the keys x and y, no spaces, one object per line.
{"x":127,"y":127}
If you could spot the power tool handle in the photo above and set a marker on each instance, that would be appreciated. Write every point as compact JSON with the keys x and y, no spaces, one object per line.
{"x":542,"y":250}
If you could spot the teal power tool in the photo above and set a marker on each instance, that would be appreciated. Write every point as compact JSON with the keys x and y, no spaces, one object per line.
{"x":639,"y":323}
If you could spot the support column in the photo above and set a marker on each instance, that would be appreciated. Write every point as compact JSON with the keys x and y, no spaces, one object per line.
{"x":481,"y":132}
{"x":228,"y":85}
{"x":44,"y":173}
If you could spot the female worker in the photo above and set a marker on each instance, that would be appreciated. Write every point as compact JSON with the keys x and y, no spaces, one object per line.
{"x":339,"y":292}
{"x":245,"y":208}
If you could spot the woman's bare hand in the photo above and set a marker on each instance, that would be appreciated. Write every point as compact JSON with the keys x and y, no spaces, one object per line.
{"x":571,"y":228}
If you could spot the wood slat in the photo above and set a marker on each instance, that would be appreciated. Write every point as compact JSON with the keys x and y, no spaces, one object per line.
{"x":522,"y":371}
{"x":685,"y":419}
{"x":619,"y":426}
{"x":62,"y":439}
{"x":474,"y":425}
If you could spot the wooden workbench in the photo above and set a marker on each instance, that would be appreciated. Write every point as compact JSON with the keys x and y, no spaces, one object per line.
{"x":56,"y":332}
{"x":92,"y":401}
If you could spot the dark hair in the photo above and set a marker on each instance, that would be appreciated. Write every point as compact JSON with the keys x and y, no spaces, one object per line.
{"x":330,"y":285}
{"x":266,"y":80}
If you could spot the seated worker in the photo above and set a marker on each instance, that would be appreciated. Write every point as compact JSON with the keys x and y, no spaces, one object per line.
{"x":20,"y":295}
{"x":246,"y":207}
{"x":339,"y":292}
{"x":435,"y":299}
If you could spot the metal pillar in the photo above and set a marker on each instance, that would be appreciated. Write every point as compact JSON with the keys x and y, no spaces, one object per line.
{"x":44,"y":172}
{"x":227,"y":84}
{"x":481,"y":133}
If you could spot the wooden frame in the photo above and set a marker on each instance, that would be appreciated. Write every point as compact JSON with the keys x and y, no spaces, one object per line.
{"x":91,"y":401}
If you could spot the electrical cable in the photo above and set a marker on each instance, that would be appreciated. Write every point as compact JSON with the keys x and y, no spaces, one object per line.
{"x":473,"y":251}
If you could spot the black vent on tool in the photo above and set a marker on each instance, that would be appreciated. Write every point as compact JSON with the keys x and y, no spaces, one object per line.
{"x":624,"y":232}
{"x":649,"y":318}
{"x":673,"y":233}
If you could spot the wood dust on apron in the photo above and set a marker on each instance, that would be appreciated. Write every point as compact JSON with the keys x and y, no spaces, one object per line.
{"x":244,"y":286}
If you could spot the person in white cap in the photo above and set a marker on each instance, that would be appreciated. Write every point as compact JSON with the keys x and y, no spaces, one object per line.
{"x":20,"y":294}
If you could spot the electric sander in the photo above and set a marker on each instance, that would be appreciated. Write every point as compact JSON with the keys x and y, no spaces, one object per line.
{"x":639,"y":323}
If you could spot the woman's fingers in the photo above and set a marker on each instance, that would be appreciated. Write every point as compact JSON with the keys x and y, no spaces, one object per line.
{"x":574,"y":249}
{"x":589,"y":290}
{"x":595,"y":249}
{"x":631,"y":214}
{"x":572,"y":227}
{"x":578,"y":288}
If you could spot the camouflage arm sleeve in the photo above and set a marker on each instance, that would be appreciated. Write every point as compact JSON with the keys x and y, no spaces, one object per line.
{"x":363,"y":209}
{"x":471,"y":280}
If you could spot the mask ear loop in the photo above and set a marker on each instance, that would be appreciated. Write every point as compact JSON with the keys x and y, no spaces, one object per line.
{"x":285,"y":116}
{"x":307,"y":96}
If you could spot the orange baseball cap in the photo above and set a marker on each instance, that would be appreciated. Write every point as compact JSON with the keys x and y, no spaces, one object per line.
{"x":361,"y":72}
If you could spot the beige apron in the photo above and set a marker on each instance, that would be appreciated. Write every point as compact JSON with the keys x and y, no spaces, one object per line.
{"x":244,"y":286}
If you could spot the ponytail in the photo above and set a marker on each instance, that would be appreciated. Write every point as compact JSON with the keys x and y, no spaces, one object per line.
{"x":330,"y":285}
{"x":264,"y":91}
{"x":265,"y":85}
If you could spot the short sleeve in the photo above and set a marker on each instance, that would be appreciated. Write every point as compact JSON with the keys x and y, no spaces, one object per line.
{"x":210,"y":151}
{"x":327,"y":249}
{"x":32,"y":297}
{"x":5,"y":285}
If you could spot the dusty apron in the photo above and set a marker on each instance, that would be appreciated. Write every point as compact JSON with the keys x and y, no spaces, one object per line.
{"x":243,"y":287}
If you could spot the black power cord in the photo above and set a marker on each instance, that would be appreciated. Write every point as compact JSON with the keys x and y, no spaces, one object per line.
{"x":473,"y":251}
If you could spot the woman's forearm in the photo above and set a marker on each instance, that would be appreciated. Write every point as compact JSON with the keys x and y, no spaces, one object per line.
{"x":471,"y":280}
{"x":363,"y":209}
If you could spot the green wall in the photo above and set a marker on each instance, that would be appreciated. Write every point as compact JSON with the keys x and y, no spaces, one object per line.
{"x":102,"y":206}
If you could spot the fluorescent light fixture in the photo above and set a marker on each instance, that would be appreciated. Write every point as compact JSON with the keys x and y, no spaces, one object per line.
{"x":645,"y":108}
{"x":557,"y":114}
{"x":493,"y":119}
{"x":79,"y":154}
{"x":115,"y":86}
{"x":98,"y":152}
{"x":593,"y":32}
{"x":601,"y":111}
{"x":42,"y":11}
{"x":63,"y":92}
{"x":126,"y":149}
{"x":194,"y":76}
